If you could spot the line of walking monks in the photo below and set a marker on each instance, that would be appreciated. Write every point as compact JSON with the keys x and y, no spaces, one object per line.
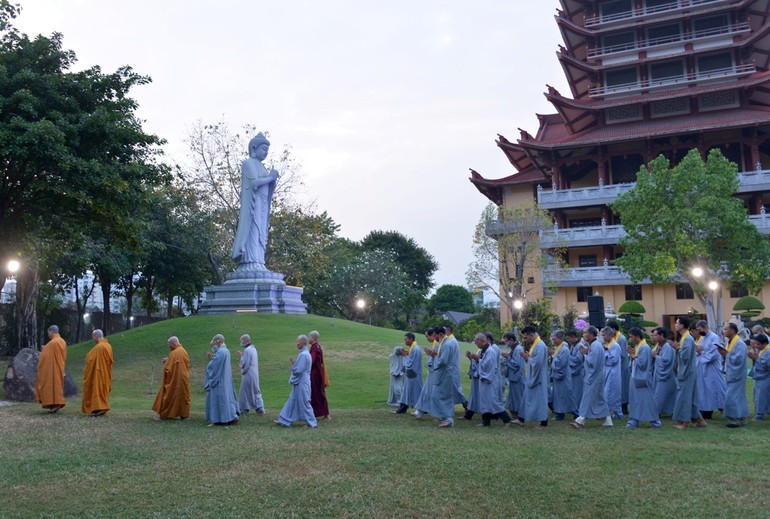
{"x":601,"y":376}
{"x":306,"y":402}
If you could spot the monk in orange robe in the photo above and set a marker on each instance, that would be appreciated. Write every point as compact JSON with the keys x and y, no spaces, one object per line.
{"x":50,"y":372}
{"x":97,"y":377}
{"x":173,"y":400}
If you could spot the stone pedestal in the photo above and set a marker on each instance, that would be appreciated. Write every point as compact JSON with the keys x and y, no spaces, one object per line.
{"x":253,"y":291}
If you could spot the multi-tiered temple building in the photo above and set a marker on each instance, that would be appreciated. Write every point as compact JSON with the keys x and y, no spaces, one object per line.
{"x":646,"y":77}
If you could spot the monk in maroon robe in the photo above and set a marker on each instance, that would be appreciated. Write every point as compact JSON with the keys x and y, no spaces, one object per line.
{"x":318,"y":378}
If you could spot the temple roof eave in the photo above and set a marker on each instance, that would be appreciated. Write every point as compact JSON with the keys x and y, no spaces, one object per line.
{"x":626,"y":132}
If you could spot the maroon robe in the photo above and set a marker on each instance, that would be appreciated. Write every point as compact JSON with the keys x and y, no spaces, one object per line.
{"x":317,"y":386}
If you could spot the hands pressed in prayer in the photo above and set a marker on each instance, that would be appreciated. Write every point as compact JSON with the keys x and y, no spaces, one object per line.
{"x":474,"y":356}
{"x":698,"y":349}
{"x":583,"y":349}
{"x":209,"y":355}
{"x":505,"y":354}
{"x":550,"y":352}
{"x":524,"y":355}
{"x":240,"y":354}
{"x":292,"y":360}
{"x":630,"y":350}
{"x":674,"y":345}
{"x":163,"y":360}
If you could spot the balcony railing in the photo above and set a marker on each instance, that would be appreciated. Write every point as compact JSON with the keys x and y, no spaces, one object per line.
{"x":587,"y":196}
{"x":583,"y":236}
{"x":645,"y":11}
{"x":748,"y":182}
{"x":682,"y":79}
{"x":586,"y":276}
{"x":705,"y":34}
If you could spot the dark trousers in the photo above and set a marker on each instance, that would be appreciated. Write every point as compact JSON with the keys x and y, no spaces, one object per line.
{"x":402,"y":409}
{"x":486,"y":418}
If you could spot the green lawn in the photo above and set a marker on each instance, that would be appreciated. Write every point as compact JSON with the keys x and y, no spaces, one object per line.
{"x":365,"y":462}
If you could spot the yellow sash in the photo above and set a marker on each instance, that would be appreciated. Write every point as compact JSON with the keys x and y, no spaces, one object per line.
{"x":440,"y":344}
{"x":732,"y":343}
{"x":762,"y":351}
{"x":684,"y":336}
{"x":558,"y":349}
{"x":636,"y":348}
{"x":531,"y":349}
{"x":414,"y":343}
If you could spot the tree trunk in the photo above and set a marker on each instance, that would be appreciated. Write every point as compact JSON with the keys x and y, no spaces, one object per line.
{"x":130,"y":290}
{"x":169,"y":303}
{"x":106,"y":285}
{"x":27,"y":285}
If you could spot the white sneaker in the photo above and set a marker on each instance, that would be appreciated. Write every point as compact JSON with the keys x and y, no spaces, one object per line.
{"x":607,"y":422}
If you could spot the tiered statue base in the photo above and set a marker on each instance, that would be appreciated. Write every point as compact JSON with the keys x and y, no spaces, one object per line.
{"x":253,"y":291}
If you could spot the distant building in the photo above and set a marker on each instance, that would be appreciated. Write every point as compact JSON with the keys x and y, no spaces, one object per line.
{"x":646,"y":77}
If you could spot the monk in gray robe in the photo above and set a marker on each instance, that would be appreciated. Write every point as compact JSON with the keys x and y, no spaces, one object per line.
{"x":297,"y":408}
{"x":221,"y":405}
{"x":535,"y":403}
{"x":686,"y":405}
{"x":396,"y":376}
{"x":561,"y":376}
{"x":664,"y":371}
{"x":487,"y":397}
{"x":412,"y":372}
{"x":593,"y":403}
{"x":250,"y":395}
{"x":641,"y":397}
{"x":423,"y":402}
{"x":735,"y":355}
{"x":445,"y":357}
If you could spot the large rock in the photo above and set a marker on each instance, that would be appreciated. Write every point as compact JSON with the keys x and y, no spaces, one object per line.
{"x":21,"y":378}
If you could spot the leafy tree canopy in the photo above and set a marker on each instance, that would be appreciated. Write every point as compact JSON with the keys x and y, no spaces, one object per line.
{"x":415,"y":261}
{"x":686,"y":216}
{"x":452,"y":298}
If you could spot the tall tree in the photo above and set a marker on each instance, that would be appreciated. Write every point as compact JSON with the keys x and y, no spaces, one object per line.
{"x":682,"y":217}
{"x":506,"y":244}
{"x":71,"y":151}
{"x":415,"y":261}
{"x":452,"y":298}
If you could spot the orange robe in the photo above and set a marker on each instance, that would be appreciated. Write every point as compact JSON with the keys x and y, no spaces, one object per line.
{"x":50,"y":373}
{"x":173,"y":400}
{"x":97,"y":378}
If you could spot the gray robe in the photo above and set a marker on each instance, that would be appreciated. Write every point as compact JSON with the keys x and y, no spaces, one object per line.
{"x":641,"y":405}
{"x":413,"y":381}
{"x":625,"y":369}
{"x":562,"y":381}
{"x":423,"y":402}
{"x":442,"y":403}
{"x":250,"y":396}
{"x":711,"y":382}
{"x":593,"y":404}
{"x":457,"y":393}
{"x":535,"y":402}
{"x":686,"y":404}
{"x":488,"y":387}
{"x":396,"y":376}
{"x":221,"y":406}
{"x":473,"y":374}
{"x":297,"y":407}
{"x":665,"y":379}
{"x":736,"y":403}
{"x":576,"y":370}
{"x":515,"y":380}
{"x":761,"y":374}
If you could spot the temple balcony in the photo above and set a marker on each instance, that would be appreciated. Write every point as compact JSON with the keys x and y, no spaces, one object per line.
{"x":761,"y":221}
{"x":748,"y":182}
{"x":583,"y":236}
{"x":721,"y":74}
{"x":600,"y":195}
{"x":638,"y":15}
{"x":586,"y":276}
{"x":669,"y":45}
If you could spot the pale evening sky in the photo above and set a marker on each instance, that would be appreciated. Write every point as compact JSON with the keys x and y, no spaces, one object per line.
{"x":386,"y":104}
